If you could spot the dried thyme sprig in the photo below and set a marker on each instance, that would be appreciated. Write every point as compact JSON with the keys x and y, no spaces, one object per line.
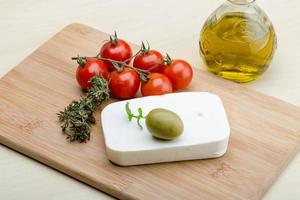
{"x":77,"y":117}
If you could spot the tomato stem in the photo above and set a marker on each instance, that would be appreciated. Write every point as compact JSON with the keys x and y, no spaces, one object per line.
{"x":118,"y":65}
{"x":114,"y":39}
{"x":168,"y":59}
{"x":142,"y":73}
{"x":143,"y":49}
{"x":137,"y":53}
{"x":80,"y":60}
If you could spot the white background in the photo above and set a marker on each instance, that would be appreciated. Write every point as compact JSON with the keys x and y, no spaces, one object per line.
{"x":170,"y":26}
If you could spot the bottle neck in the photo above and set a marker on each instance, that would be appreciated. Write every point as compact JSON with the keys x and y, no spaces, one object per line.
{"x":241,"y":2}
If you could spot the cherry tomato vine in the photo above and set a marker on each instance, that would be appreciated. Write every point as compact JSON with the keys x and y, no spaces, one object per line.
{"x":110,"y":74}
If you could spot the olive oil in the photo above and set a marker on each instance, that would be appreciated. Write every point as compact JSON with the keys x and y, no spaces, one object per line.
{"x":237,"y":46}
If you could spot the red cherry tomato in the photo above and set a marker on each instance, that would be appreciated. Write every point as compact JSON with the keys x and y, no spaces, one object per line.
{"x":116,"y":49}
{"x":157,"y":84}
{"x":124,"y":84}
{"x":180,"y":73}
{"x":92,"y":67}
{"x":151,"y":59}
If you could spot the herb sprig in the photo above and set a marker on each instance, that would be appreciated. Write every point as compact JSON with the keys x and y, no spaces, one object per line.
{"x":77,"y":117}
{"x":138,"y":117}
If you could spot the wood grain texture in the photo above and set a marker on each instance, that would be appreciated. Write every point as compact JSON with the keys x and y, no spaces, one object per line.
{"x":265,"y":131}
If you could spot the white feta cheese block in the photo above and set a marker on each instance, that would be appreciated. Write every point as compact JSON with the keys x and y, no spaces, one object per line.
{"x":205,"y":135}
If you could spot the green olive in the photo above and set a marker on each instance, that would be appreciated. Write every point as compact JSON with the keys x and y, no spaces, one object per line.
{"x":164,"y":124}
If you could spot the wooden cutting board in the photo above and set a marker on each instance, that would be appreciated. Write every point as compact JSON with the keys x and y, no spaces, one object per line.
{"x":265,"y":132}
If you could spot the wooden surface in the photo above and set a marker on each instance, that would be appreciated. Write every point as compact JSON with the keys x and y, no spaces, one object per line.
{"x":32,"y":22}
{"x":265,"y":131}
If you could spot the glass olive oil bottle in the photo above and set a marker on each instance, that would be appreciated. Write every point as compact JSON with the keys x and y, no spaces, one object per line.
{"x":238,"y":41}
